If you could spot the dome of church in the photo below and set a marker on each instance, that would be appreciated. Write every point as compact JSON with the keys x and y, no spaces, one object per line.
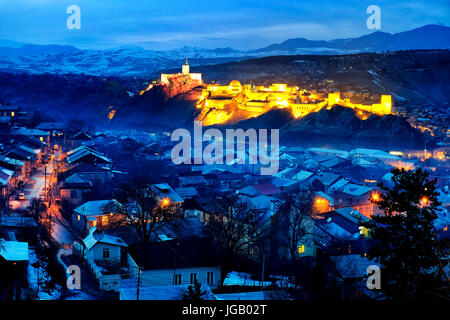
{"x":235,"y":83}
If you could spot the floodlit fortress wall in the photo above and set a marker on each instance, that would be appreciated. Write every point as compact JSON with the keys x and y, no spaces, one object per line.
{"x":219,"y":103}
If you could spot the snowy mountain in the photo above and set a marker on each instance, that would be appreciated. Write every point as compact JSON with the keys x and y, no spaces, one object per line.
{"x":139,"y":62}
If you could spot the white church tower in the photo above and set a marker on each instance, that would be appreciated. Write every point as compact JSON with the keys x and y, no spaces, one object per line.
{"x":185,"y":68}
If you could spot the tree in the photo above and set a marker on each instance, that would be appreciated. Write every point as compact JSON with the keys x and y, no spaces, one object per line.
{"x":228,"y":227}
{"x":194,"y":293}
{"x":295,"y":219}
{"x":146,"y":213}
{"x":39,"y":212}
{"x":406,"y":242}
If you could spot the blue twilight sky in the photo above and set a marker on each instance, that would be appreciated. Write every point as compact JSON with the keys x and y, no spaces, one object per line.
{"x":243,"y":24}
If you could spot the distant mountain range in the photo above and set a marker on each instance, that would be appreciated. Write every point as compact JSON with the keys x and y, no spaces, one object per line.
{"x":136,"y":61}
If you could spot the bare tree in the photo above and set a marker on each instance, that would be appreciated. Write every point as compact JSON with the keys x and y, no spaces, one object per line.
{"x":228,"y":225}
{"x":258,"y":233}
{"x":145,"y":212}
{"x":295,"y":218}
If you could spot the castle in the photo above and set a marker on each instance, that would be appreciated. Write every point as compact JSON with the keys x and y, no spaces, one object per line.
{"x":221,"y":104}
{"x":185,"y":72}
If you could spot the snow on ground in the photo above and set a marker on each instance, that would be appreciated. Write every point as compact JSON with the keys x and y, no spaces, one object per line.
{"x":60,"y":232}
{"x":235,"y":278}
{"x":41,"y":275}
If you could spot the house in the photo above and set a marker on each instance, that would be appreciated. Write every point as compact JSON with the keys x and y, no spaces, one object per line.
{"x":55,"y":130}
{"x":79,"y":138}
{"x":102,"y":247}
{"x":15,"y":165}
{"x":192,"y":181}
{"x":93,"y":214}
{"x":268,"y":189}
{"x":164,"y":191}
{"x":358,"y":197}
{"x":285,"y":184}
{"x":26,"y":155}
{"x":106,"y":257}
{"x":75,"y":188}
{"x":13,"y":259}
{"x":12,"y":115}
{"x":6,"y":180}
{"x":98,"y":175}
{"x":341,"y":224}
{"x":323,"y":202}
{"x":302,"y":175}
{"x":192,"y":208}
{"x":187,"y":192}
{"x":41,"y":135}
{"x":13,"y":251}
{"x":86,"y":155}
{"x":323,"y":182}
{"x":175,"y":262}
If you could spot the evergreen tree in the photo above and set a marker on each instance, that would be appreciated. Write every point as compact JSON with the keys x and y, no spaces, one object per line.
{"x":406,"y":243}
{"x":194,"y":293}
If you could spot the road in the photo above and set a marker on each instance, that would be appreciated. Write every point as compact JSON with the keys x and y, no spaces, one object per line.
{"x":34,"y":188}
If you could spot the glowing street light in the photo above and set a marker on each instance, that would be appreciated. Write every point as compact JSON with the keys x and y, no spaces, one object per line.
{"x":424,"y":200}
{"x":165,"y":202}
{"x":375,"y":197}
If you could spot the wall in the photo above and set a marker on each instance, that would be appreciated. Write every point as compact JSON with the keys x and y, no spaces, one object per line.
{"x":166,"y":277}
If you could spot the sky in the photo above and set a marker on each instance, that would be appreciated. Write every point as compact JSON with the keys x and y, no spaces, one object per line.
{"x":243,"y":24}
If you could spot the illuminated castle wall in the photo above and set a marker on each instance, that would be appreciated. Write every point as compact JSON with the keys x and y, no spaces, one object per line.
{"x":221,"y":104}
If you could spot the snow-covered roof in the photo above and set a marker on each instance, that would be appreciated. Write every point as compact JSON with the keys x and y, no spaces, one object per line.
{"x":29,"y":132}
{"x":341,"y":153}
{"x":356,"y":190}
{"x":338,"y":185}
{"x":85,"y":152}
{"x":95,"y":208}
{"x":187,"y":192}
{"x":164,"y":190}
{"x":351,"y":214}
{"x":283,"y":182}
{"x":95,"y":237}
{"x":373,"y":153}
{"x":14,"y":250}
{"x":5,"y":175}
{"x":302,"y":175}
{"x":326,"y":196}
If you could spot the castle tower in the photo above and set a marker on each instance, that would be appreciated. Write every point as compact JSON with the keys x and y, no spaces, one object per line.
{"x":333,"y":98}
{"x":185,"y":68}
{"x":386,"y":103}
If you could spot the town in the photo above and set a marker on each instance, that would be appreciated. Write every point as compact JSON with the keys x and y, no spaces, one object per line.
{"x":140,"y":227}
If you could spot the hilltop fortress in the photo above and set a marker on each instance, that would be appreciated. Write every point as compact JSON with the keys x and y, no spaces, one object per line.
{"x":235,"y":102}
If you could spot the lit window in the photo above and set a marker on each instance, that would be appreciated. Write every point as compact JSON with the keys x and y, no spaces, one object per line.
{"x":79,"y":217}
{"x":104,"y":220}
{"x":301,"y":249}
{"x":41,"y":139}
{"x":94,"y":223}
{"x":12,"y":113}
